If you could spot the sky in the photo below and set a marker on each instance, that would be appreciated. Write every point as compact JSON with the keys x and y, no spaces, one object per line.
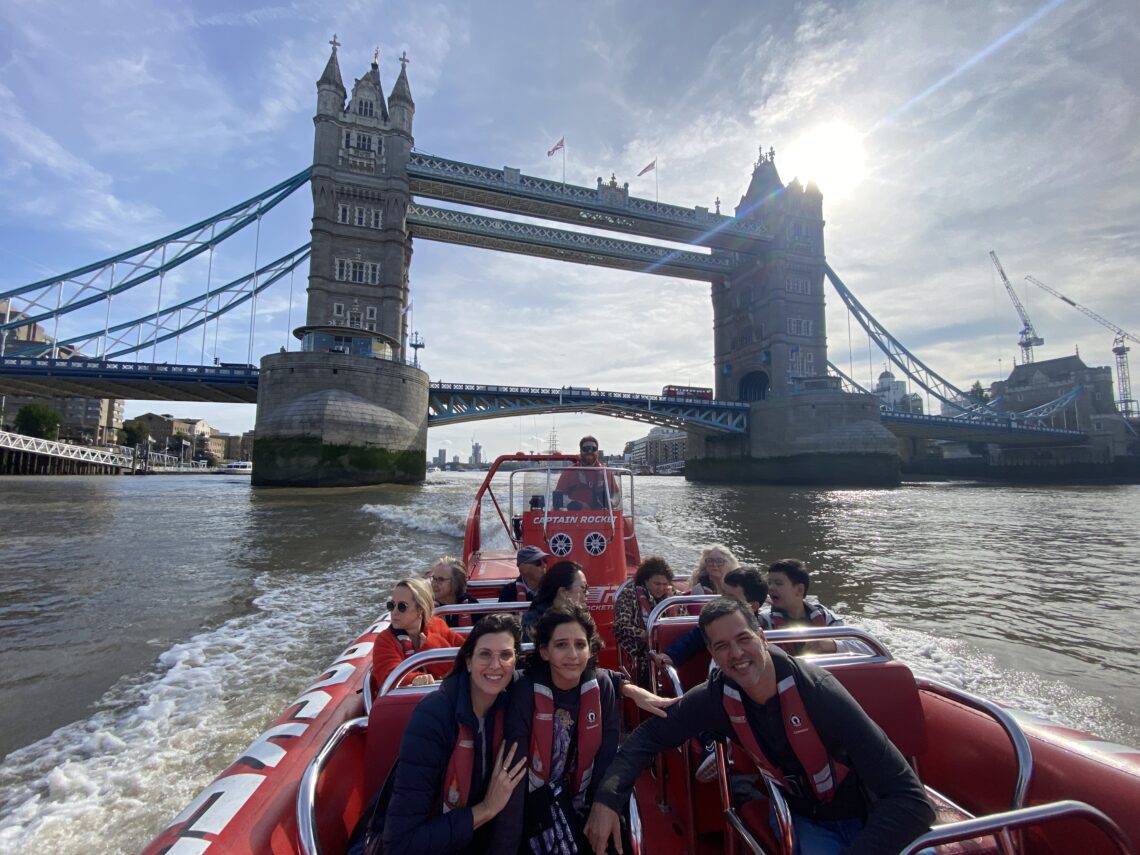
{"x":937,"y":131}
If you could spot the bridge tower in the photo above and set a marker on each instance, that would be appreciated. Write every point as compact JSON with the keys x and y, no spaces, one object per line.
{"x":347,"y":409}
{"x":770,"y":350}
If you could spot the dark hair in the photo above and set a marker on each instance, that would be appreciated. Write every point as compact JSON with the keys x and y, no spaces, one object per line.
{"x":553,"y":618}
{"x":794,"y":569}
{"x":587,"y":438}
{"x":750,"y":580}
{"x":652,"y":566}
{"x":487,"y":625}
{"x":561,"y":575}
{"x":722,"y":607}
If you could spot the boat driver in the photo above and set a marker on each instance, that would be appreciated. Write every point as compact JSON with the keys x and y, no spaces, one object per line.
{"x":848,"y":787}
{"x":585,"y":485}
{"x":531,"y":562}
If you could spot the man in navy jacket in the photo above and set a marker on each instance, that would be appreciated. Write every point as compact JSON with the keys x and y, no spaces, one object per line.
{"x":849,"y":788}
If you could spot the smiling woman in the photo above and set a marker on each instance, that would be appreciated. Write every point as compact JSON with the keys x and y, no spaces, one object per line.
{"x":831,"y":155}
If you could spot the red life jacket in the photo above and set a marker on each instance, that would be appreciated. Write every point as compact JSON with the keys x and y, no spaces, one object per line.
{"x":816,"y":616}
{"x":460,"y":620}
{"x":646,"y":604}
{"x":542,"y":734}
{"x":825,"y":776}
{"x":457,"y":778}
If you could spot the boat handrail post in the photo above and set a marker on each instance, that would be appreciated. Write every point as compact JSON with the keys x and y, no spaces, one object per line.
{"x":414,"y":663}
{"x":968,"y":829}
{"x":307,"y":789}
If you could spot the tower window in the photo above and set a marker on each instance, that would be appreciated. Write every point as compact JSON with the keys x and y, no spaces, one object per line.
{"x":376,"y":219}
{"x":370,"y":313}
{"x":338,"y":310}
{"x":374,"y":273}
{"x":799,"y":285}
{"x":364,"y":142}
{"x":364,"y":108}
{"x":358,"y":271}
{"x":361,"y":216}
{"x":342,"y":269}
{"x":799,"y":326}
{"x":342,"y":213}
{"x":348,"y":139}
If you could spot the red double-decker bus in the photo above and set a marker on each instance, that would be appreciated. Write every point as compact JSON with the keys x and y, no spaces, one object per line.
{"x":702,"y":393}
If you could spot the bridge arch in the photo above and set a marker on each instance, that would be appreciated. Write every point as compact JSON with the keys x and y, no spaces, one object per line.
{"x":754,"y":386}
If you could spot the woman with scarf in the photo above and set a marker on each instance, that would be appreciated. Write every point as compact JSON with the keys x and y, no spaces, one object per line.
{"x":651,"y":584}
{"x":412,"y":630}
{"x":454,"y":774}
{"x":564,"y":719}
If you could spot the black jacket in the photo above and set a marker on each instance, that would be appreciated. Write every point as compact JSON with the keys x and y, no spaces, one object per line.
{"x":879,"y":784}
{"x":508,"y":825}
{"x":414,"y":823}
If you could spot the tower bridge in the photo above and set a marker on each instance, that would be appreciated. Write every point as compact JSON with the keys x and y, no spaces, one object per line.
{"x":348,"y":408}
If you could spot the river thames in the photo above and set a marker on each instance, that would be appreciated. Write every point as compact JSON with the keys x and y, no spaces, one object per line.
{"x":154,"y":626}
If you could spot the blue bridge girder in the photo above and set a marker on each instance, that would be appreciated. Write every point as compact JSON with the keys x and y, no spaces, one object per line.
{"x":451,"y":403}
{"x":998,"y":431}
{"x":461,"y":227}
{"x":603,"y":207}
{"x":34,"y":376}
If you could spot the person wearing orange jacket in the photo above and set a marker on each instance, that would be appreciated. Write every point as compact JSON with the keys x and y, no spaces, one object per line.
{"x":412,"y":629}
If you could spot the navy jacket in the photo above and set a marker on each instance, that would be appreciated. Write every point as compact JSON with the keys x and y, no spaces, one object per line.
{"x":414,"y":823}
{"x":508,"y":825}
{"x":879,"y":784}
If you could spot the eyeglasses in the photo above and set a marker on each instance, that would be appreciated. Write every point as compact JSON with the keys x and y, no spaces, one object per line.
{"x":393,"y":606}
{"x":588,"y":447}
{"x":539,"y":563}
{"x":486,"y":657}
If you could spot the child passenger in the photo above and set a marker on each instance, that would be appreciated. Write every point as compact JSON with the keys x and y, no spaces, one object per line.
{"x":564,"y":717}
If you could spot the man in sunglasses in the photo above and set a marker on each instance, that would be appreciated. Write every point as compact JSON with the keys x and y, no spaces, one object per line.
{"x":531,"y":562}
{"x":589,"y":484}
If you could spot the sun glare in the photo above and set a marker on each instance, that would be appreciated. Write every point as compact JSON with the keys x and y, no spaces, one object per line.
{"x":831,"y":155}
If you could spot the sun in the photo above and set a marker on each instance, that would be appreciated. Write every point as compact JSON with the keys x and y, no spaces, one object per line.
{"x":831,"y":155}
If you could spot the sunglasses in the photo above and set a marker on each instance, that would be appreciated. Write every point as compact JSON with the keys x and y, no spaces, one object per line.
{"x":393,"y":606}
{"x":588,"y":447}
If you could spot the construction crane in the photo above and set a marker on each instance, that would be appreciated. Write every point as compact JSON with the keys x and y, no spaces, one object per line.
{"x":1125,"y":402}
{"x":1027,"y":338}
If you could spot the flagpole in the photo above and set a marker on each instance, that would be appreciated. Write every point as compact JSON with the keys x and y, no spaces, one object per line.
{"x":564,"y":163}
{"x":656,"y":184}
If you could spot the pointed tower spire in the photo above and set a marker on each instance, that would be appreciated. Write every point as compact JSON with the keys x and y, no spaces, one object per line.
{"x":402,"y":90}
{"x":331,"y":76}
{"x":765,"y":184}
{"x":400,"y":103}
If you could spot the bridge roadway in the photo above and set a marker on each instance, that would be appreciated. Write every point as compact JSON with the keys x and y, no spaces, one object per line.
{"x":453,"y":403}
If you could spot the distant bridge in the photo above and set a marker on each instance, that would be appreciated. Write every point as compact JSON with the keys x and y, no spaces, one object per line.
{"x":453,"y":403}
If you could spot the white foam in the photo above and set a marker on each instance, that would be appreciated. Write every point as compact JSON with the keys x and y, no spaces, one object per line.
{"x":111,"y":782}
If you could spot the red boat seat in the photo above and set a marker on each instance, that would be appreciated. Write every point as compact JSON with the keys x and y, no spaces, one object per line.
{"x":386,"y":723}
{"x":694,"y":670}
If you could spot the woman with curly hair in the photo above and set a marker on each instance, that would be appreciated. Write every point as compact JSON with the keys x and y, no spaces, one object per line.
{"x":564,"y":718}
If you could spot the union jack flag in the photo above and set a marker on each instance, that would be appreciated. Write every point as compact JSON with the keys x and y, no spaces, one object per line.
{"x":560,"y":144}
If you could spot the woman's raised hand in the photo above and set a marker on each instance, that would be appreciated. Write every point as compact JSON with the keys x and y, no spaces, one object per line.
{"x":504,"y":778}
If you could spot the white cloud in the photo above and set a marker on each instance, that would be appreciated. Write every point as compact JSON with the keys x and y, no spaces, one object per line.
{"x":1026,"y":143}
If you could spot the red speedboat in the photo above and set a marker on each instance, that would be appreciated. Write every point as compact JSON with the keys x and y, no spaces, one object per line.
{"x":1001,"y":781}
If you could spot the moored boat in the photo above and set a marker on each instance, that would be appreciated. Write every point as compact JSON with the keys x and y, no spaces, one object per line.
{"x":302,"y":785}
